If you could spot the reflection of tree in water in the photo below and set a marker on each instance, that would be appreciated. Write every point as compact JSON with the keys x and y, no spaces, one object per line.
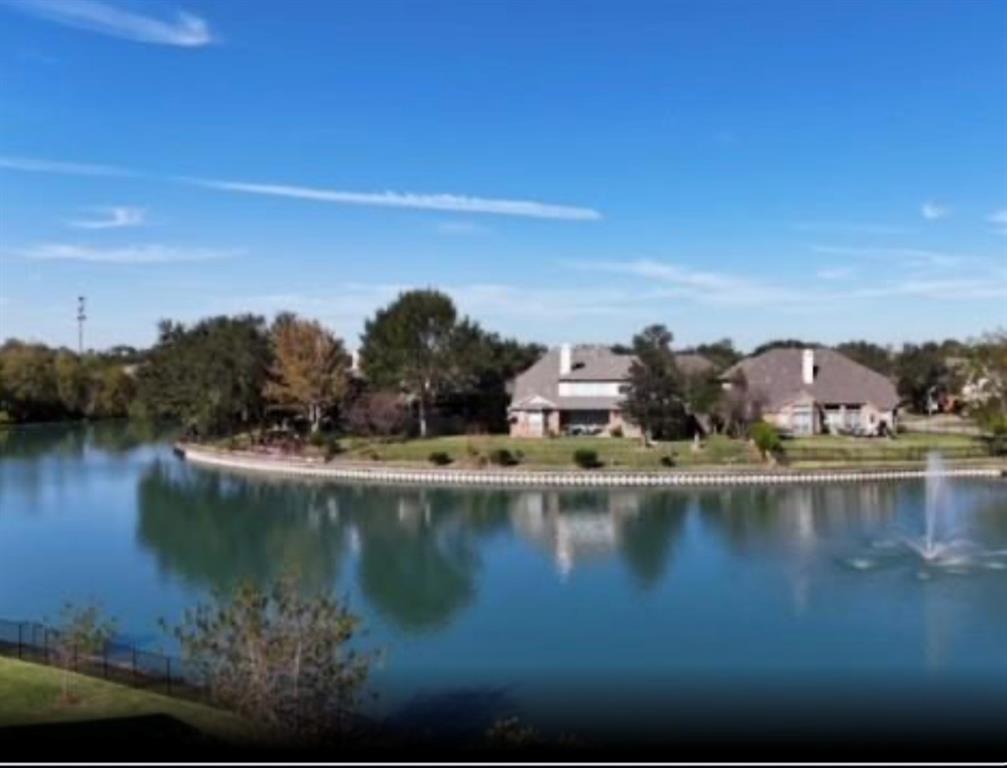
{"x":216,"y":530}
{"x":69,"y":440}
{"x":418,"y":553}
{"x":124,"y":436}
{"x":648,"y":537}
{"x":35,"y":441}
{"x":795,"y":516}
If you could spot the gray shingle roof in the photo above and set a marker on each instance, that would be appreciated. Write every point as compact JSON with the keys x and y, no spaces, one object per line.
{"x":591,"y":362}
{"x":776,"y":376}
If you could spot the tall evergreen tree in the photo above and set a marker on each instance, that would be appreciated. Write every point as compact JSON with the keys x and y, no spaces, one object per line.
{"x":655,"y":400}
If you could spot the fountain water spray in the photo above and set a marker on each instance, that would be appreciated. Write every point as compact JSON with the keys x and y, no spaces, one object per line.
{"x":936,"y":494}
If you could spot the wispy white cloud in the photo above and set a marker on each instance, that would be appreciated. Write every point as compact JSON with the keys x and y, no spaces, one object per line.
{"x":432,"y":202}
{"x":679,"y":281}
{"x":931,"y":211}
{"x":999,"y":221}
{"x":186,"y":30}
{"x":980,"y":287}
{"x":906,"y":257}
{"x":33,"y":165}
{"x":115,"y":217}
{"x":131,"y":254}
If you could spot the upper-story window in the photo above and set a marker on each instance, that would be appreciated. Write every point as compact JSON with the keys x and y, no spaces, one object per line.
{"x":590,"y":388}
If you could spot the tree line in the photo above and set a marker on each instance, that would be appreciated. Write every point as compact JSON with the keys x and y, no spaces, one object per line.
{"x":420,"y":361}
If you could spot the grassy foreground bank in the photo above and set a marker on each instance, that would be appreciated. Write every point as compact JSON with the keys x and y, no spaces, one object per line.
{"x":625,"y":454}
{"x":31,"y":694}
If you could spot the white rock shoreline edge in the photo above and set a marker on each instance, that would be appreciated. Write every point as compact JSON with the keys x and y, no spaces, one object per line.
{"x":246,"y":462}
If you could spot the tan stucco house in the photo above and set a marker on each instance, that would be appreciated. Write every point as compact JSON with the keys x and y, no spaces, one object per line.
{"x":814,"y":391}
{"x":578,"y":388}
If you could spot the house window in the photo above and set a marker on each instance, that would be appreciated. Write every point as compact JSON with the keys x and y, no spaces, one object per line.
{"x":802,"y":420}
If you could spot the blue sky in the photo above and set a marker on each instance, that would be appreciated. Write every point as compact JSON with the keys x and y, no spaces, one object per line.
{"x":567,"y":171}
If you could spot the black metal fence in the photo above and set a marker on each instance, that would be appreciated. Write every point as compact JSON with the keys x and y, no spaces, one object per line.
{"x":122,"y":663}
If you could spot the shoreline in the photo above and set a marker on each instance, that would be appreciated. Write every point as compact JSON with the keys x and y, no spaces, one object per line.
{"x":336,"y":470}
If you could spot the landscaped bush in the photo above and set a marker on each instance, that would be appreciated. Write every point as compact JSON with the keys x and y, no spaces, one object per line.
{"x":440,"y":458}
{"x":332,"y":449}
{"x":505,"y":458}
{"x":766,"y":438}
{"x":668,"y":460}
{"x":616,"y":432}
{"x":317,"y":439}
{"x":585,"y":458}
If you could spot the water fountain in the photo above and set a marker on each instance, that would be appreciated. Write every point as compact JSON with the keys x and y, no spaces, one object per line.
{"x":939,"y":548}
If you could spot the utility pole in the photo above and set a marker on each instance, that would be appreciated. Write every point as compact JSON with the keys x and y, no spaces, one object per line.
{"x":81,"y":317}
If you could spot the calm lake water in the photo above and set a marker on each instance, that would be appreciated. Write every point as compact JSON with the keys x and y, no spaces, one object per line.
{"x":569,"y":608}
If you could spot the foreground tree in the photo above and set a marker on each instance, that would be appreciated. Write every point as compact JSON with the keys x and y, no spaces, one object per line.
{"x":655,"y":400}
{"x":280,"y":658}
{"x":310,"y":369}
{"x":83,"y":631}
{"x":209,"y":376}
{"x":411,"y":346}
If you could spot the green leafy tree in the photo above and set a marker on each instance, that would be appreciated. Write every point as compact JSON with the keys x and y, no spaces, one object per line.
{"x":73,"y":384}
{"x":30,"y":389}
{"x":83,"y":632}
{"x":281,"y":658}
{"x":922,"y":374}
{"x":873,"y":356}
{"x":656,"y":397}
{"x":722,"y":353}
{"x":115,"y":390}
{"x":987,"y":383}
{"x":783,"y":344}
{"x":487,"y":363}
{"x":412,"y":346}
{"x":310,"y":369}
{"x":210,"y":376}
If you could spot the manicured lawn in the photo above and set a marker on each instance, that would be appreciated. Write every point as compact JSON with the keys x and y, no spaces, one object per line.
{"x":623,"y":453}
{"x":616,"y":453}
{"x":907,"y":446}
{"x":31,"y":694}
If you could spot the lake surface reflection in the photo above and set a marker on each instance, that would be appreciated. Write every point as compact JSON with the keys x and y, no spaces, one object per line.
{"x":558,"y":605}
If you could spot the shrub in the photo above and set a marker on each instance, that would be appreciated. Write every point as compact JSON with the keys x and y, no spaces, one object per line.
{"x":668,"y":461}
{"x":332,"y":449}
{"x":505,"y":458}
{"x":766,"y":438}
{"x":440,"y":458}
{"x":317,"y":439}
{"x":616,"y":432}
{"x":586,"y":458}
{"x":379,"y":414}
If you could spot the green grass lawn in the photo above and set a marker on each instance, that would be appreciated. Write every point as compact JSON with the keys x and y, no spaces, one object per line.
{"x":31,"y":694}
{"x":717,"y":451}
{"x":624,"y":453}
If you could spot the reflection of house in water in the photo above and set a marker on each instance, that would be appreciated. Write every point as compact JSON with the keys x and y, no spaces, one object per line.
{"x":573,"y":526}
